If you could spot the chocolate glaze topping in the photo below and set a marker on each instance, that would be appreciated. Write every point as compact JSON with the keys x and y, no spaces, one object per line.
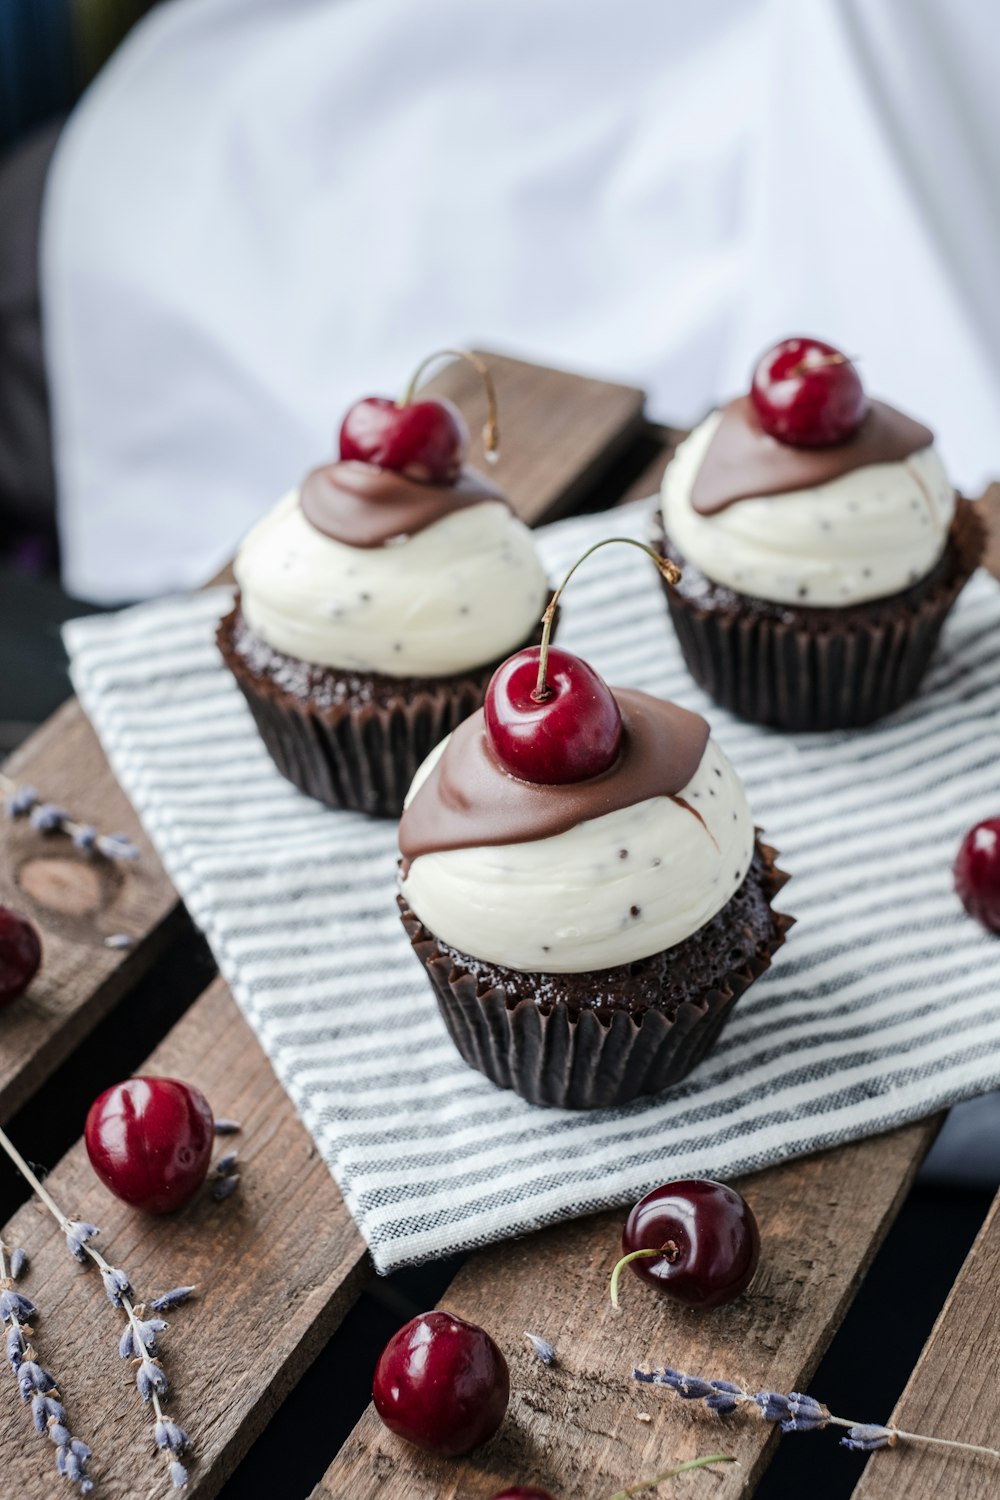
{"x":470,"y":799}
{"x":742,"y":460}
{"x":364,"y":506}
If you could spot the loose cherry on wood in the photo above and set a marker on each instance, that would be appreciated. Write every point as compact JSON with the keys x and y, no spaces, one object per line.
{"x":20,"y":954}
{"x":808,"y":394}
{"x":977,"y":873}
{"x":442,"y":1384}
{"x":150,"y":1141}
{"x":697,"y":1241}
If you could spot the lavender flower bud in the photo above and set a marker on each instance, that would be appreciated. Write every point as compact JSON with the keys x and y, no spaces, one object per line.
{"x":226,"y":1187}
{"x":227,"y":1127}
{"x":59,"y":1434}
{"x":80,"y":1449}
{"x":542,"y":1348}
{"x":774,"y":1407}
{"x":15,"y":1347}
{"x":73,"y":1466}
{"x":116,"y":1284}
{"x":726,"y":1397}
{"x":18,"y":1262}
{"x":86,"y":837}
{"x":171,"y":1299}
{"x":126,"y":1344}
{"x":170,"y":1436}
{"x":117,"y":846}
{"x":32,"y":1377}
{"x":805,"y":1414}
{"x":78,"y":1235}
{"x":866,"y":1439}
{"x":39,"y":1412}
{"x":47,"y":817}
{"x":149,"y":1378}
{"x":689,"y":1387}
{"x":226,"y":1165}
{"x":21,"y":800}
{"x":62,"y":1454}
{"x":148,"y":1331}
{"x":178,"y":1475}
{"x":118,"y":940}
{"x":15,"y":1305}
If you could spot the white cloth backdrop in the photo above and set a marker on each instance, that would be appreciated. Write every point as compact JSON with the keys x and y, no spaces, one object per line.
{"x":265,"y":208}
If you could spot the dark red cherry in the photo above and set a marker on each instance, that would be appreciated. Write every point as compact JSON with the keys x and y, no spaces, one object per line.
{"x":20,"y":954}
{"x":425,"y":440}
{"x":442,"y":1384}
{"x":572,"y":733}
{"x":150,"y":1141}
{"x":977,"y":873}
{"x":808,"y":394}
{"x":707,"y":1237}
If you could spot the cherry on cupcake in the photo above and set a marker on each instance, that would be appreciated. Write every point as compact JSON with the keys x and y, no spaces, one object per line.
{"x":150,"y":1141}
{"x":808,"y":394}
{"x":977,"y":873}
{"x":549,"y":716}
{"x":695,"y":1240}
{"x":425,"y":440}
{"x":442,"y":1384}
{"x":20,"y":954}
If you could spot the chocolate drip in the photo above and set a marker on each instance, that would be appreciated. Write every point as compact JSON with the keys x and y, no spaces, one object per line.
{"x":364,"y":506}
{"x":743,"y":461}
{"x":470,"y":799}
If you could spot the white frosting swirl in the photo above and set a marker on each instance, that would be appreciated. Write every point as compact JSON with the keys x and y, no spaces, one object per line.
{"x":612,"y":889}
{"x":865,"y":535}
{"x":463,"y":592}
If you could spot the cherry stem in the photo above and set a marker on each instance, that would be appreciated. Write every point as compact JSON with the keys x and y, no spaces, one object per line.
{"x":670,"y":571}
{"x":658,"y":1479}
{"x":491,"y":429}
{"x":625,"y":1261}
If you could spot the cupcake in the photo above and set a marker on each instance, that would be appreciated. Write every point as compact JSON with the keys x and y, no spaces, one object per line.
{"x":375,"y":602}
{"x":583,"y":883}
{"x":821,"y":545}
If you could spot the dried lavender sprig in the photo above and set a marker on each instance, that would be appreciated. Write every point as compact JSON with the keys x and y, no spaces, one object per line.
{"x":34,"y":1381}
{"x":658,"y":1479}
{"x":795,"y":1412}
{"x":171,"y":1299}
{"x":47,"y":817}
{"x":151,"y":1379}
{"x":541,"y":1347}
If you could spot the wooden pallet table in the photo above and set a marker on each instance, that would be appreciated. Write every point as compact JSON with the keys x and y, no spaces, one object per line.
{"x":279,"y":1264}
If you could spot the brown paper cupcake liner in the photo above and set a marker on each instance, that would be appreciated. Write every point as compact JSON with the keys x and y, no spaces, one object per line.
{"x":817,"y":669}
{"x":553,"y":1054}
{"x":363,"y":751}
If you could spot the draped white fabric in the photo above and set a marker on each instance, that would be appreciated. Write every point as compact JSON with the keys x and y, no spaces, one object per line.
{"x":265,"y":208}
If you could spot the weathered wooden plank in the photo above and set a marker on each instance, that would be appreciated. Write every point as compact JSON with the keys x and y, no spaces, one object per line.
{"x":76,"y":901}
{"x":953,"y":1391}
{"x":577,"y":1429}
{"x":276,"y":1268}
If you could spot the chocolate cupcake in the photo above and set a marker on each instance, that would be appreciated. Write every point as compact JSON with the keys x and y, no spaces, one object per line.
{"x":374,"y":604}
{"x":821,"y":545}
{"x":586,"y":936}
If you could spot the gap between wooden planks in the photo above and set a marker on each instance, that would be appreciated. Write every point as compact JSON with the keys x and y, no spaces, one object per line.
{"x":560,"y":434}
{"x":276,"y":1266}
{"x":576,"y":1429}
{"x":953,"y":1391}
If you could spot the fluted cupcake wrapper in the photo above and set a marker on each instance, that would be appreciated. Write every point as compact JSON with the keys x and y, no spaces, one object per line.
{"x":552,"y":1057}
{"x":361,"y":756}
{"x":797,"y":675}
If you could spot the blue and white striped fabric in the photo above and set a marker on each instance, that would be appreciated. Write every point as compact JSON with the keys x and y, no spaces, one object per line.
{"x":883,"y":1006}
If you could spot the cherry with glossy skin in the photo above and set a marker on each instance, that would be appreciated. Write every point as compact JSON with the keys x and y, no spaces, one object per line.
{"x":570,"y":733}
{"x":705,"y":1237}
{"x":808,"y":394}
{"x":150,"y":1141}
{"x":977,"y":873}
{"x":442,"y":1384}
{"x":20,"y":954}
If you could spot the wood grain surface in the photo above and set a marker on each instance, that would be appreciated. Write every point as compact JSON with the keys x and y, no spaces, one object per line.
{"x":578,"y":1429}
{"x":952,"y":1393}
{"x":276,"y":1267}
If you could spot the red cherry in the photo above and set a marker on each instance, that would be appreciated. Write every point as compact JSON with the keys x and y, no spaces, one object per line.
{"x":808,"y":394}
{"x":425,"y":440}
{"x":20,"y":954}
{"x":442,"y":1384}
{"x":977,"y":873}
{"x":150,"y":1141}
{"x":707,"y":1236}
{"x":574,"y":732}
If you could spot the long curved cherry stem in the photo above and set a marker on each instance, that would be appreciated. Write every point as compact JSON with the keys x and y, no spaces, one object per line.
{"x":669,"y":570}
{"x":658,"y":1479}
{"x":625,"y":1261}
{"x":491,"y":429}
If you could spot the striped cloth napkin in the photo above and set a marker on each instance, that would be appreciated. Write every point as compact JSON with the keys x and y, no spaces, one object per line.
{"x":882,"y":1007}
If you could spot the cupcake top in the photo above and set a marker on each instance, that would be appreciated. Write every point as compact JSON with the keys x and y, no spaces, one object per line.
{"x":756,"y":505}
{"x":579,"y":875}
